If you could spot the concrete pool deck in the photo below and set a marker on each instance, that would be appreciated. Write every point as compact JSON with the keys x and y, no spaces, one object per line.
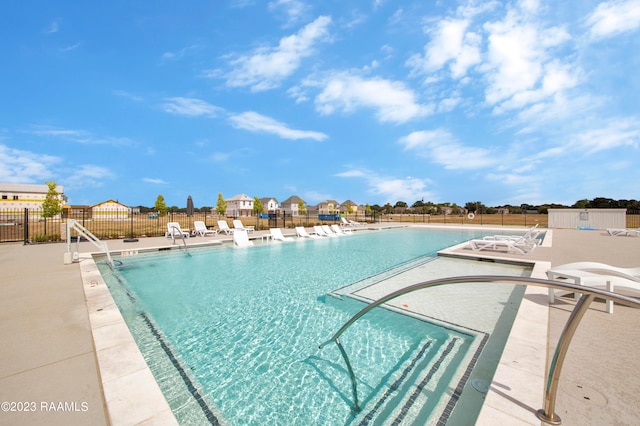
{"x":49,"y":371}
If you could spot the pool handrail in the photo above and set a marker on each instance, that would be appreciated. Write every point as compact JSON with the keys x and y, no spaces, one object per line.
{"x":179,"y":231}
{"x":546,"y":414}
{"x":73,"y":224}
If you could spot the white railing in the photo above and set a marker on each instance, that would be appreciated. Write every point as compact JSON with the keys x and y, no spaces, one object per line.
{"x":84,"y":232}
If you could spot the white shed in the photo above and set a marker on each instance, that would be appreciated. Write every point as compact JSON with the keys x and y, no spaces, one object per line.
{"x":588,"y":218}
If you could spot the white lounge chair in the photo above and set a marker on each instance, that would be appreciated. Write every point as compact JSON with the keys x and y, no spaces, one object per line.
{"x":224,"y":227}
{"x":520,"y":246}
{"x":328,"y":231}
{"x":317,"y":229}
{"x":632,"y":274}
{"x":624,"y":232}
{"x":202,"y":230}
{"x":345,"y":222}
{"x":592,"y":279}
{"x":241,"y":238}
{"x":174,"y":231}
{"x":340,"y":231}
{"x":276,"y":235}
{"x":302,"y":233}
{"x":531,"y":235}
{"x":237,"y":225}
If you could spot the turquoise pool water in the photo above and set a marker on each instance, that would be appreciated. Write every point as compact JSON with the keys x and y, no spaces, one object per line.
{"x":232,"y":334}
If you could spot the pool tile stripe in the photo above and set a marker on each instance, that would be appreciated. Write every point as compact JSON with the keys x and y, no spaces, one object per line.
{"x":434,"y":368}
{"x":444,"y":417}
{"x":370,"y":415}
{"x":183,"y":375}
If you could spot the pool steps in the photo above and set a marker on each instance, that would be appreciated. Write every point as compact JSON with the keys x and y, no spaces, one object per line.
{"x":384,"y":275}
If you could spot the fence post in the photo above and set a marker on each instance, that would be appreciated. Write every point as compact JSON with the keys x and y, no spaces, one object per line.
{"x":26,"y":226}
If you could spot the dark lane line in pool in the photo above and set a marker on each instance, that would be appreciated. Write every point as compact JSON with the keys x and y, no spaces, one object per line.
{"x":187,"y":381}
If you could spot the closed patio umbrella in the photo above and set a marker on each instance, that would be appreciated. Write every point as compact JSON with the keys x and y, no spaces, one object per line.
{"x":189,"y":206}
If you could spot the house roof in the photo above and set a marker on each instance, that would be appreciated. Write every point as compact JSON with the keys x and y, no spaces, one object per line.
{"x":240,"y":197}
{"x":109,"y":201}
{"x":267,"y":199}
{"x":326,"y":203}
{"x":293,"y":200}
{"x":28,"y":187}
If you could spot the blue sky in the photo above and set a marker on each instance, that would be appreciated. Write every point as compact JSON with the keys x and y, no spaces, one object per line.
{"x":374,"y":101}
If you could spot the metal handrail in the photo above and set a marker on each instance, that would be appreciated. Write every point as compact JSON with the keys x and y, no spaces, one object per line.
{"x":173,"y":227}
{"x":81,"y":230}
{"x":546,"y":414}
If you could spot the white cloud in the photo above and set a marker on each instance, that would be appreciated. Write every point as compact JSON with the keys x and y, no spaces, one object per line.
{"x":191,"y":107}
{"x":80,"y":136}
{"x":519,"y":54}
{"x":125,"y":94}
{"x":154,"y":181}
{"x":315,"y":197}
{"x":61,"y":133}
{"x":71,"y":47}
{"x":392,"y":100}
{"x":617,"y":133}
{"x":352,"y":173}
{"x":254,"y":122}
{"x":20,"y":166}
{"x":220,"y":157}
{"x":391,"y":189}
{"x":298,"y":93}
{"x":294,"y":9}
{"x":556,"y":78}
{"x":614,"y":17}
{"x":442,"y":147}
{"x":179,"y":54}
{"x":266,"y":67}
{"x":87,"y":176}
{"x":450,"y":43}
{"x":53,"y":28}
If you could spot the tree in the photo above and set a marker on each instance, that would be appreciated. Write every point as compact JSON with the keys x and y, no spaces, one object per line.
{"x":400,"y":207}
{"x":258,"y":208}
{"x":476,"y":207}
{"x":160,"y":206}
{"x":51,"y":204}
{"x":221,"y":205}
{"x":302,"y":209}
{"x":581,"y":204}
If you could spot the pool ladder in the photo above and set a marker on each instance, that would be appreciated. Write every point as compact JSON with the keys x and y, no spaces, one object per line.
{"x":546,"y":414}
{"x":73,"y":224}
{"x":179,"y":232}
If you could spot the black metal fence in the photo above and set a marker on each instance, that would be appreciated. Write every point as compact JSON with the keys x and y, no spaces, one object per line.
{"x":30,"y":226}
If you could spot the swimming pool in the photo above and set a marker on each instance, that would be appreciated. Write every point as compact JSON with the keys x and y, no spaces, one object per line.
{"x":231,"y":334}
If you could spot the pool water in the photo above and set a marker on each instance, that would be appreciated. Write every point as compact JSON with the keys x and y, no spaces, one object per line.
{"x":231,"y":334}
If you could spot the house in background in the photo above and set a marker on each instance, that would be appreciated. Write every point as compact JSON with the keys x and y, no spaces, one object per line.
{"x":328,"y":207}
{"x":20,"y":196}
{"x":270,"y":204}
{"x":349,"y":207}
{"x":240,"y":205}
{"x":110,"y":210}
{"x":290,"y":205}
